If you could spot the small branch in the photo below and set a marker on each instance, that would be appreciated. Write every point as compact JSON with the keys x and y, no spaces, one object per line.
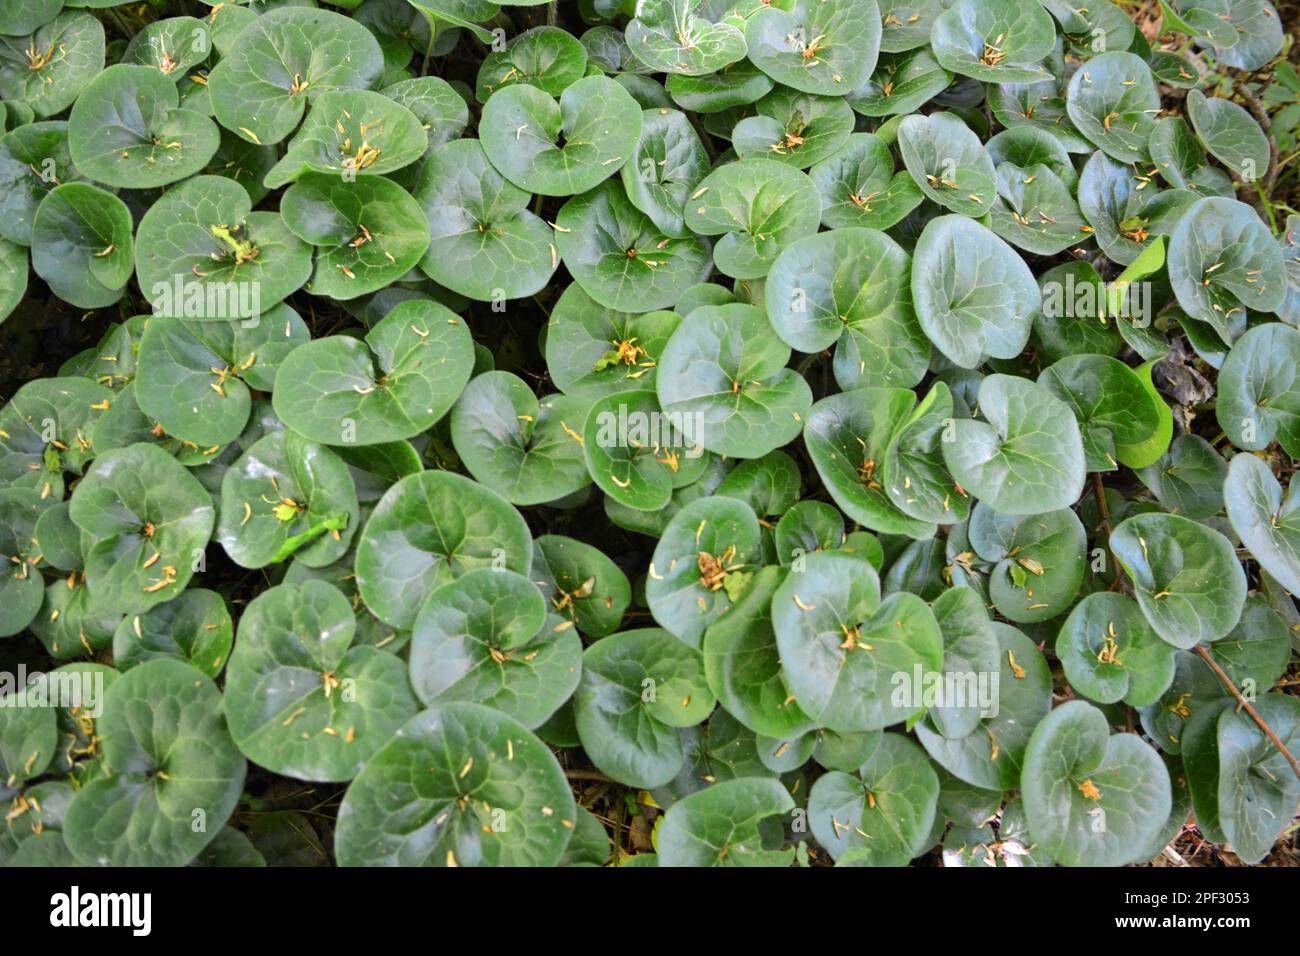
{"x":1099,"y":492}
{"x":589,"y":775}
{"x":1268,"y":731}
{"x":1265,"y":122}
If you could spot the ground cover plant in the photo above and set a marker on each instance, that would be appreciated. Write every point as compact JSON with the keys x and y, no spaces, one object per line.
{"x":649,"y":432}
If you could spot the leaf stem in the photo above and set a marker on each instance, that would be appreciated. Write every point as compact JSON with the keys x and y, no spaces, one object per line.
{"x":1268,"y":731}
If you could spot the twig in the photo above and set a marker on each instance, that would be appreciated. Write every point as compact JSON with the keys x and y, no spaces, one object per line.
{"x":1099,"y":492}
{"x":1265,"y":122}
{"x":1268,"y":731}
{"x":589,"y":775}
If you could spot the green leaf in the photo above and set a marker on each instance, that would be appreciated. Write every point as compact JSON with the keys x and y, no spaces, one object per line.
{"x":489,"y":793}
{"x":128,"y":131}
{"x":170,"y":763}
{"x":591,"y":350}
{"x":1037,"y":562}
{"x":710,"y":546}
{"x":859,"y":187}
{"x":668,"y":162}
{"x":902,"y":83}
{"x":973,"y":294}
{"x":991,"y":755}
{"x":1257,"y":796}
{"x":758,"y":206}
{"x":1230,"y":134}
{"x":285,"y":59}
{"x":580,"y":583}
{"x":842,"y":649}
{"x":681,"y":37}
{"x":146,"y":522}
{"x":722,"y":825}
{"x":1189,"y":478}
{"x":527,"y":450}
{"x":848,"y":436}
{"x":948,"y":162}
{"x":994,"y":41}
{"x":28,"y":738}
{"x":1109,"y":400}
{"x":1092,"y":799}
{"x":1264,"y":518}
{"x":486,"y":637}
{"x":742,"y":663}
{"x":302,"y":700}
{"x":81,"y":244}
{"x":1185,"y":575}
{"x":1026,"y":457}
{"x":1223,"y":260}
{"x":351,"y":133}
{"x":66,"y":53}
{"x":201,"y":253}
{"x":194,"y":628}
{"x":728,"y":382}
{"x":881,"y":816}
{"x":404,"y":376}
{"x":798,"y":129}
{"x":548,"y":58}
{"x":621,"y":258}
{"x":637,"y":688}
{"x":483,"y":241}
{"x":1112,"y":99}
{"x":286,"y":496}
{"x":430,"y":528}
{"x":1110,"y":653}
{"x":335,"y":216}
{"x":596,"y":118}
{"x":826,"y":47}
{"x":33,"y":160}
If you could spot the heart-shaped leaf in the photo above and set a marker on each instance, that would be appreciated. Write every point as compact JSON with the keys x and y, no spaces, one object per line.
{"x":1230,"y":134}
{"x":1109,"y":401}
{"x":668,"y":163}
{"x":1038,"y":561}
{"x":169,"y":758}
{"x":335,"y":216}
{"x":621,"y":258}
{"x":81,"y":244}
{"x":201,"y":253}
{"x":1110,"y":653}
{"x":284,"y":497}
{"x":483,"y":241}
{"x":486,"y":637}
{"x":194,"y":628}
{"x":881,"y":816}
{"x":1026,"y":457}
{"x":284,"y":60}
{"x":859,"y":187}
{"x":1092,"y":799}
{"x":848,"y":436}
{"x":994,"y":41}
{"x":702,"y":564}
{"x":128,"y":131}
{"x":637,"y":688}
{"x":948,"y":162}
{"x":592,"y":350}
{"x":1112,"y":100}
{"x":146,"y":522}
{"x":548,"y":58}
{"x":302,"y":700}
{"x":1264,"y":518}
{"x":402,"y":378}
{"x":842,"y":648}
{"x":1223,"y":260}
{"x":581,"y":583}
{"x":351,"y":133}
{"x":430,"y":528}
{"x":33,"y":160}
{"x":681,"y":37}
{"x":729,"y":383}
{"x":721,"y":825}
{"x":818,"y":47}
{"x":973,"y":294}
{"x":1185,"y":575}
{"x":475,"y":767}
{"x":48,"y":68}
{"x":597,"y":120}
